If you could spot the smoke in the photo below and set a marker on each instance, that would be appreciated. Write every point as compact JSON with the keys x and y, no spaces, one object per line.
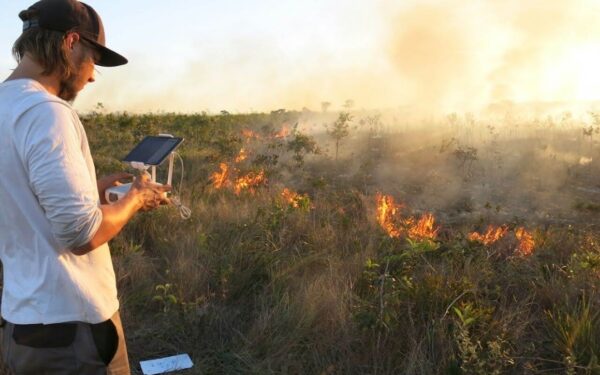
{"x":431,"y":56}
{"x":462,"y":55}
{"x":431,"y":47}
{"x":543,"y":34}
{"x":249,"y":75}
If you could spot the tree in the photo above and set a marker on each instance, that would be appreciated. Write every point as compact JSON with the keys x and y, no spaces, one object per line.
{"x":325,"y":106}
{"x":340,"y":130}
{"x":374,"y":123}
{"x":301,"y":145}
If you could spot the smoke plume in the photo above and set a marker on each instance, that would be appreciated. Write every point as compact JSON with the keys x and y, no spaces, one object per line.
{"x":431,"y":56}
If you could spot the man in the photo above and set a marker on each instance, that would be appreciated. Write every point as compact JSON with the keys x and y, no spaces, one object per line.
{"x":59,"y":297}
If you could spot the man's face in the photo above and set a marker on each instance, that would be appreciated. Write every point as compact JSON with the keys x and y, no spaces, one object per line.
{"x":84,"y":57}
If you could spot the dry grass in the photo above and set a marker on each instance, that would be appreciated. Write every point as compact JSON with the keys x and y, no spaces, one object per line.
{"x":252,"y":285}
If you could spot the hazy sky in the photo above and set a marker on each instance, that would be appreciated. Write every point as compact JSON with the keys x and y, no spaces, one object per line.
{"x":243,"y":55}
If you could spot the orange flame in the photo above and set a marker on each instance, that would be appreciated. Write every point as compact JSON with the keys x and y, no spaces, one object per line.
{"x":291,"y":197}
{"x":249,"y":181}
{"x":387,"y":210}
{"x":248,"y":134}
{"x":284,"y":132}
{"x":491,"y":235}
{"x":526,"y":242}
{"x":388,"y":217}
{"x":423,"y":229}
{"x":221,"y":179}
{"x":241,"y":156}
{"x":294,"y":199}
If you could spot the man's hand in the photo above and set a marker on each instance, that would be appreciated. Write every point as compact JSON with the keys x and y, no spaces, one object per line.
{"x":144,"y":195}
{"x":110,"y":181}
{"x":149,"y":194}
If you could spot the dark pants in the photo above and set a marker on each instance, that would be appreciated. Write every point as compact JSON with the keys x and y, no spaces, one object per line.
{"x":66,"y":348}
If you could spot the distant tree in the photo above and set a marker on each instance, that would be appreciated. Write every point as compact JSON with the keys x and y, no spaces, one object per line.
{"x":452,"y":119}
{"x":595,"y":128}
{"x":466,"y":156}
{"x":340,"y":130}
{"x":301,"y":144}
{"x":325,"y":106}
{"x":349,"y":104}
{"x":566,"y":118}
{"x":98,"y":109}
{"x":470,"y":119}
{"x":374,"y":123}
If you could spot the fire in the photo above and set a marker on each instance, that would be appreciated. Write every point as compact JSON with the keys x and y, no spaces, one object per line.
{"x":294,"y":199}
{"x":249,"y":181}
{"x":224,"y":178}
{"x":221,"y":179}
{"x":423,"y":229}
{"x":388,"y":216}
{"x":241,"y":156}
{"x":491,"y":235}
{"x":526,"y":242}
{"x":284,"y":132}
{"x":291,"y":197}
{"x":248,"y":134}
{"x":387,"y":210}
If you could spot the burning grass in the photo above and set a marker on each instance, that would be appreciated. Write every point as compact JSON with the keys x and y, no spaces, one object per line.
{"x":249,"y":182}
{"x":232,"y":177}
{"x":491,"y":235}
{"x":525,"y":246}
{"x":389,"y":218}
{"x":526,"y":242}
{"x":295,"y":200}
{"x":388,"y":215}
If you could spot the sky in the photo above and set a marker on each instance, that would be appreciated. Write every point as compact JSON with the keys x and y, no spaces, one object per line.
{"x":262,"y":55}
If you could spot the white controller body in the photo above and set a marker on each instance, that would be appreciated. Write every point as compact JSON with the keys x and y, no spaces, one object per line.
{"x":115,"y":193}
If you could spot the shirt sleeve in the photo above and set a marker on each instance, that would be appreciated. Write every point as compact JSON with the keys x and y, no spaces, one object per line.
{"x":50,"y":147}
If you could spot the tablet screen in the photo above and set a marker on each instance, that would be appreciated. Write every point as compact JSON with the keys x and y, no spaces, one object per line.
{"x":152,"y":150}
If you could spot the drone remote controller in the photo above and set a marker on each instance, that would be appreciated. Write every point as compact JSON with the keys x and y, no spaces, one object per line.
{"x":149,"y":153}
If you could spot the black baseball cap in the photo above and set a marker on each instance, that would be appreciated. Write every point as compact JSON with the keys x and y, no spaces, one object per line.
{"x":72,"y":15}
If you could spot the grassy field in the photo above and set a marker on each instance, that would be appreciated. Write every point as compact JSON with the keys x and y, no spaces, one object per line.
{"x":360,"y":247}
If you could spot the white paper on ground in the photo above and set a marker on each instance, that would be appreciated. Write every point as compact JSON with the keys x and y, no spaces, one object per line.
{"x":167,"y":364}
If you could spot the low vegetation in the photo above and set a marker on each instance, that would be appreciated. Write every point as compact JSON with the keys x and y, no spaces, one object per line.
{"x":453,"y":248}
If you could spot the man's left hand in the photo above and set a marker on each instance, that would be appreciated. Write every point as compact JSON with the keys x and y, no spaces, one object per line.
{"x":110,"y":181}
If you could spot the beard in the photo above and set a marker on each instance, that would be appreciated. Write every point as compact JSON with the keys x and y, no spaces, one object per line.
{"x":67,"y":89}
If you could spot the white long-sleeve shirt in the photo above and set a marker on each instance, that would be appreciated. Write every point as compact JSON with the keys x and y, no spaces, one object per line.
{"x":49,"y":204}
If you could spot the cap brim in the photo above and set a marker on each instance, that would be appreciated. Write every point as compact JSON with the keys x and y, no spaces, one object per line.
{"x":108,"y":57}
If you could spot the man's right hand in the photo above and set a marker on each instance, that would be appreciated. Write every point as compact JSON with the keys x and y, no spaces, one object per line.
{"x":149,"y":194}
